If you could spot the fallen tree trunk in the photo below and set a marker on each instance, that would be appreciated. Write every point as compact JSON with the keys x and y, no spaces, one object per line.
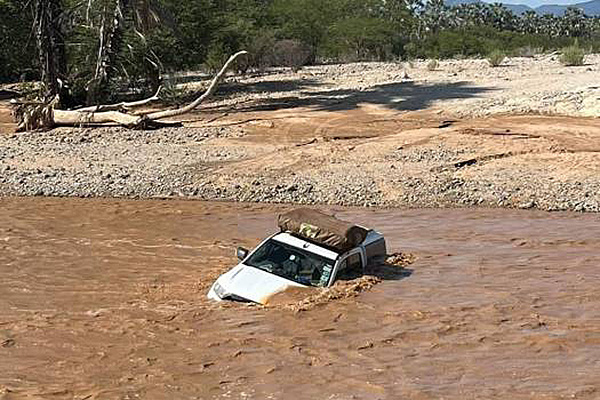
{"x":76,"y":118}
{"x":43,"y":116}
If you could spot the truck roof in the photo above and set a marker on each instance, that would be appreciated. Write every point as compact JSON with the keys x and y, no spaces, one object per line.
{"x":316,"y":248}
{"x":372,"y":236}
{"x":295,"y":241}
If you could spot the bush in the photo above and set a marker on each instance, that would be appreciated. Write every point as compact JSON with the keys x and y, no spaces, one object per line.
{"x":496,"y":57}
{"x":572,"y":55}
{"x":291,"y":53}
{"x":361,"y":38}
{"x":433,"y":65}
{"x":480,"y":41}
{"x":527,"y":51}
{"x":215,"y":58}
{"x":260,"y":55}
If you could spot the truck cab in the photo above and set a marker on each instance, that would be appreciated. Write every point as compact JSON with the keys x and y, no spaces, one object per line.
{"x":293,"y":258}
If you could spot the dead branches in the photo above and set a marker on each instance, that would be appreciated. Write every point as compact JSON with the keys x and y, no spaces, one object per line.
{"x":37,"y":116}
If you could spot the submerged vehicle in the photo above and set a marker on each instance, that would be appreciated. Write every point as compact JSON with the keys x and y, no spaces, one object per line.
{"x":311,"y":249}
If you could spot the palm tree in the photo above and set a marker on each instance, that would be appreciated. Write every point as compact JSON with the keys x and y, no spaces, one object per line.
{"x":501,"y":17}
{"x":474,"y":14}
{"x":529,"y":22}
{"x":573,"y":22}
{"x":434,"y":15}
{"x":551,"y":25}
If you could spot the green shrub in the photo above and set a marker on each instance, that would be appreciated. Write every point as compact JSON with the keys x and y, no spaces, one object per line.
{"x":215,"y":58}
{"x":433,"y":65}
{"x":496,"y":57}
{"x":172,"y":94}
{"x":527,"y":51}
{"x":572,"y":55}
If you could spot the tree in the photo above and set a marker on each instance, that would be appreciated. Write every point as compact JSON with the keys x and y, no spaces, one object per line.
{"x":434,"y":16}
{"x":45,"y":115}
{"x":305,"y":20}
{"x":110,"y":34}
{"x":529,"y":22}
{"x":364,"y":38}
{"x":501,"y":17}
{"x":573,"y":22}
{"x":115,"y":22}
{"x":48,"y":29}
{"x":16,"y":46}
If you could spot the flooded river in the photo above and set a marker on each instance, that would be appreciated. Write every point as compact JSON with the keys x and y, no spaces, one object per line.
{"x":104,"y":299}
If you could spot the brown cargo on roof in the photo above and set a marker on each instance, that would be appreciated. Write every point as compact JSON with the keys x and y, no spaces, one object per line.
{"x":322,"y":228}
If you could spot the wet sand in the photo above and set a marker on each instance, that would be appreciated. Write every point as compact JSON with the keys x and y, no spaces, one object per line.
{"x":105,"y":299}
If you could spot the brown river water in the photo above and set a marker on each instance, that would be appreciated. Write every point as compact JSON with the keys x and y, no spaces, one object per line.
{"x":103,"y":299}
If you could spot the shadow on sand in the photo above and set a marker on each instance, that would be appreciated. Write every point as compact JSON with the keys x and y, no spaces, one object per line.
{"x":401,"y":96}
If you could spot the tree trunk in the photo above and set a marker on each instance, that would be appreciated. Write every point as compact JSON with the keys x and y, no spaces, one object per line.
{"x":108,"y":49}
{"x":51,"y":49}
{"x":36,"y":116}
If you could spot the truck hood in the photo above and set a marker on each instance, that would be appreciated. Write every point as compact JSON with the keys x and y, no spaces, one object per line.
{"x":253,"y":284}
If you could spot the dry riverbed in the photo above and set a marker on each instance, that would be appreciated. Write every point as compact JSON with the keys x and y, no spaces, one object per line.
{"x":522,"y":135}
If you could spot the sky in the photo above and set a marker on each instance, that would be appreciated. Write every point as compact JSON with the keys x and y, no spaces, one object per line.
{"x":537,"y":3}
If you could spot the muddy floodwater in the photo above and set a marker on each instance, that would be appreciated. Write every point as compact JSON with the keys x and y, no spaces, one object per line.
{"x":104,"y":299}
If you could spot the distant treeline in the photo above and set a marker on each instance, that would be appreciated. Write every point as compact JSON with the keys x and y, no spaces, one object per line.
{"x":134,"y":41}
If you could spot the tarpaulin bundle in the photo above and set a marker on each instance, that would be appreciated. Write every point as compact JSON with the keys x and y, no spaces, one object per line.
{"x":322,"y":228}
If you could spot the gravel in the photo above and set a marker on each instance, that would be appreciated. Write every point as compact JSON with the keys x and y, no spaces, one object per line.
{"x":192,"y":162}
{"x":185,"y":162}
{"x":108,"y":162}
{"x":461,"y":88}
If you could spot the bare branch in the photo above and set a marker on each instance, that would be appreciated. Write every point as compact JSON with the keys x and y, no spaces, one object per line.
{"x":44,"y":115}
{"x":211,"y":89}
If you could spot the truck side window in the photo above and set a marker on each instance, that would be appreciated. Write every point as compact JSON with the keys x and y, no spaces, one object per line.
{"x":351,"y":267}
{"x":354,"y":262}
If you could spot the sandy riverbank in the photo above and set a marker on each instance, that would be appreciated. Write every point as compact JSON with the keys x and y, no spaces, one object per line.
{"x":370,"y":134}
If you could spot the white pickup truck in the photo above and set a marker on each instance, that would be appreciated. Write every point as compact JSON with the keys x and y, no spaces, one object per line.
{"x":312,"y":249}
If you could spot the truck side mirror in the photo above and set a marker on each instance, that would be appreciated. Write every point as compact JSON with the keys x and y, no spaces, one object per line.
{"x":241,"y":253}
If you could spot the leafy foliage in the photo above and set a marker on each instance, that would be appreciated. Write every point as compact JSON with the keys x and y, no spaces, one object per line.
{"x":291,"y":53}
{"x":125,"y":46}
{"x":16,"y":43}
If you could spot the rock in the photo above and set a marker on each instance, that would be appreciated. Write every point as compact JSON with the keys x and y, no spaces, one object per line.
{"x":527,"y":205}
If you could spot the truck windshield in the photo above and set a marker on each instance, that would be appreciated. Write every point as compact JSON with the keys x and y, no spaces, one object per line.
{"x":292,"y":263}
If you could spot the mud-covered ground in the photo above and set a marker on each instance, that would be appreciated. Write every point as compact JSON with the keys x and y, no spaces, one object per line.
{"x":105,"y":299}
{"x":371,"y":134}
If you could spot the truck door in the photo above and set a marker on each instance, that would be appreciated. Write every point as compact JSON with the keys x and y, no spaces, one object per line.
{"x":350,"y":266}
